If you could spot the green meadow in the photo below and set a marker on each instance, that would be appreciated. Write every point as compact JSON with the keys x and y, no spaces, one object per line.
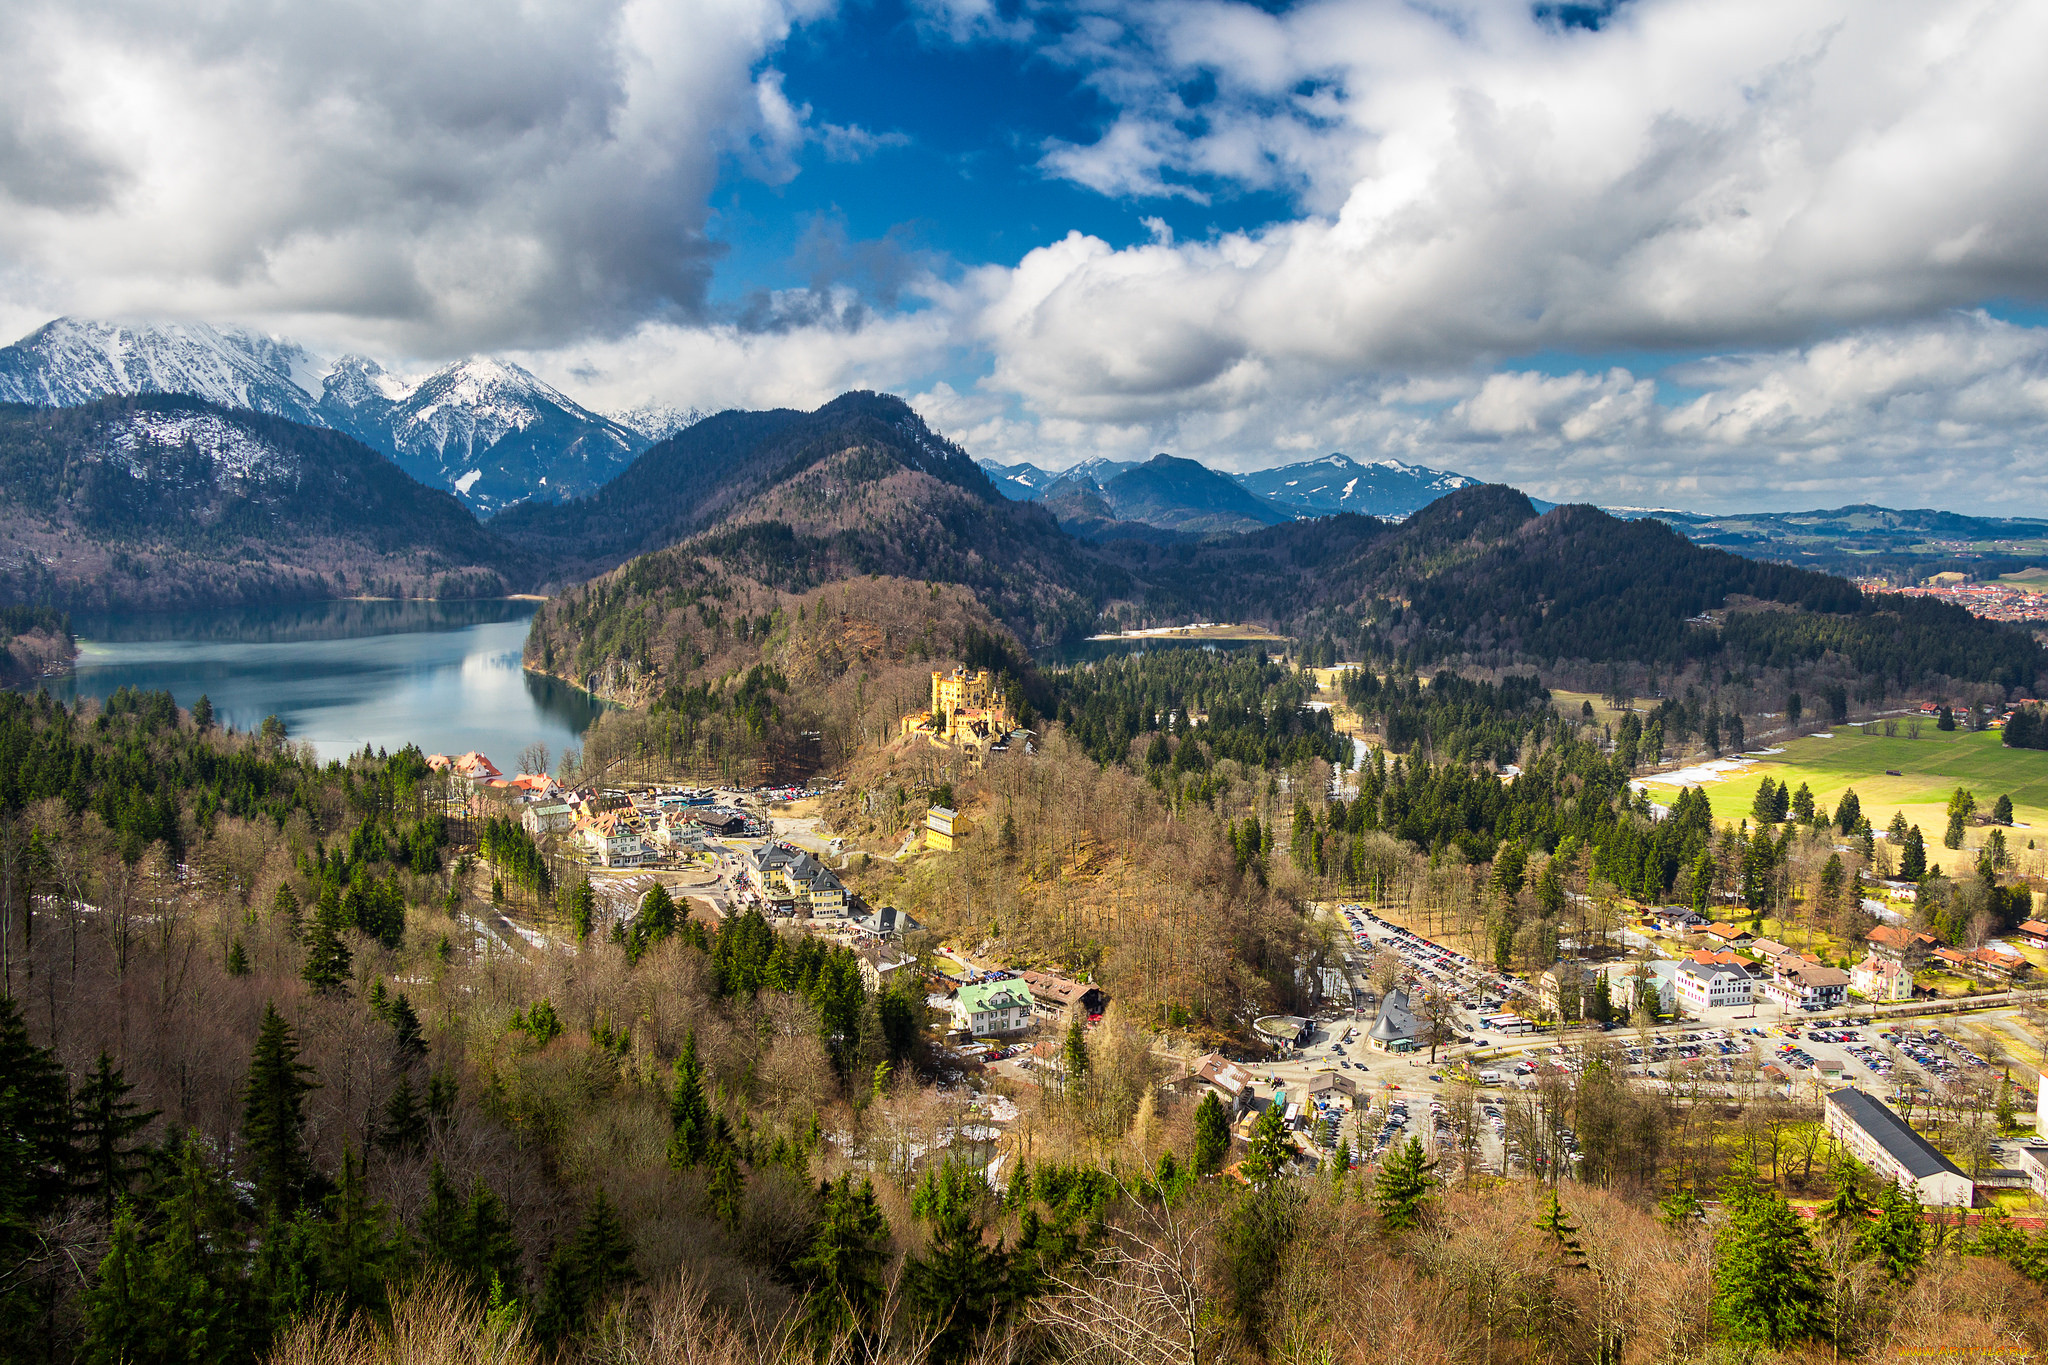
{"x":1929,"y":768}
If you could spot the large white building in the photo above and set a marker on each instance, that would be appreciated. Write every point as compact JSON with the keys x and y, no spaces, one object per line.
{"x":1711,"y":985}
{"x":1886,"y":1143}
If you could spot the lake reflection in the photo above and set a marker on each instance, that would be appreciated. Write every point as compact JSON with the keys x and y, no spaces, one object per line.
{"x":443,"y":675}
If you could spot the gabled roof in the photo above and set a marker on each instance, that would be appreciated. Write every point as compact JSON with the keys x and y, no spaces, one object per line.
{"x":1394,"y":1022}
{"x":1223,"y":1073}
{"x":993,"y":995}
{"x":1898,"y":938}
{"x":1893,"y":1134}
{"x":2035,"y":927}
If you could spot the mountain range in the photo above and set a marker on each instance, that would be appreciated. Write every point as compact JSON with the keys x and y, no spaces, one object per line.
{"x":483,"y":428}
{"x":153,"y":501}
{"x":1173,"y":498}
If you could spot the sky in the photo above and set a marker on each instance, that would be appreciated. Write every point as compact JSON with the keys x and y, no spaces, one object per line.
{"x":1707,"y":254}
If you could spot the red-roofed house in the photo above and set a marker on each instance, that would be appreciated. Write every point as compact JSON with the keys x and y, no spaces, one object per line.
{"x":1727,"y":933}
{"x":2034,"y":932}
{"x":1905,"y":945}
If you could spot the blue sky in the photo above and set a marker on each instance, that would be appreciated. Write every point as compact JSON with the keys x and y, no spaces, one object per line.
{"x":1710,"y":253}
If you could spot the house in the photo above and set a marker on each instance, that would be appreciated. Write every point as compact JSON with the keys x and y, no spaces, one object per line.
{"x":2034,"y":1162}
{"x":473,"y":767}
{"x":1230,"y":1083}
{"x":1882,"y":979}
{"x":1395,"y":1030}
{"x":2034,"y":932}
{"x":1055,"y":995}
{"x":943,"y":828}
{"x":1727,"y":933}
{"x":1910,"y":946}
{"x":1701,"y":986}
{"x":548,"y":818}
{"x":1561,"y":989}
{"x":887,"y":923}
{"x":675,"y":836}
{"x":1653,"y":984}
{"x":1886,"y":1143}
{"x":613,"y":840}
{"x":1808,"y":988}
{"x":1332,"y":1085}
{"x":790,"y":874}
{"x":883,"y":968}
{"x":718,"y":820}
{"x":1987,"y":962}
{"x":992,"y":1008}
{"x":535,"y":785}
{"x":1768,"y":951}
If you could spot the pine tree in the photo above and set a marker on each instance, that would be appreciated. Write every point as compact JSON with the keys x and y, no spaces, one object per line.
{"x":327,"y":956}
{"x":960,"y":1286}
{"x":727,"y":1189}
{"x":180,"y":1296}
{"x":1270,"y":1148}
{"x":404,"y":1128}
{"x":2005,"y":1111}
{"x":585,"y":1271}
{"x":103,"y":1121}
{"x":2001,"y":811}
{"x":35,"y":1165}
{"x":1680,"y":1208}
{"x":1401,"y":1190}
{"x":360,"y":1248}
{"x":1075,"y":1053}
{"x":405,"y":1024}
{"x":689,"y":1113}
{"x":1767,"y":1286}
{"x":1564,"y":1234}
{"x":1913,"y":856}
{"x":1962,"y":807}
{"x":1212,"y":1136}
{"x":1340,"y":1166}
{"x":238,"y":960}
{"x":1849,"y":812}
{"x":843,"y":1269}
{"x":1849,"y":1206}
{"x":273,"y":1116}
{"x":202,"y":713}
{"x":285,"y":906}
{"x":1897,"y":1239}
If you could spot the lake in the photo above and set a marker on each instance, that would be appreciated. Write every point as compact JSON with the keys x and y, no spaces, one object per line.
{"x":443,"y":675}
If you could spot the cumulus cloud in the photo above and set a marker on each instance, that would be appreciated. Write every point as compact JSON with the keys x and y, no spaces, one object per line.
{"x":1480,"y":184}
{"x":440,"y":176}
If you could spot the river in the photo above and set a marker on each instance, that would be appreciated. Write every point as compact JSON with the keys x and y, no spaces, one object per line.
{"x":443,"y":675}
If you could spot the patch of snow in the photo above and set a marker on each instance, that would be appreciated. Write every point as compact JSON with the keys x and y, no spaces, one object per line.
{"x":234,"y":452}
{"x":1347,"y":488}
{"x":468,"y":481}
{"x":1823,"y":734}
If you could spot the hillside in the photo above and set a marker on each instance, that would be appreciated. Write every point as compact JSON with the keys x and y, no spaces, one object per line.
{"x":1870,"y":541}
{"x":1478,"y":576}
{"x":1187,"y":496}
{"x":783,"y":502}
{"x":154,"y":501}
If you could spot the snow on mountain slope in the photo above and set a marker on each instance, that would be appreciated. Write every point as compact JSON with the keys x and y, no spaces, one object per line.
{"x":483,"y":428}
{"x":1337,"y":483}
{"x":658,"y":421}
{"x":72,"y":361}
{"x":234,"y":453}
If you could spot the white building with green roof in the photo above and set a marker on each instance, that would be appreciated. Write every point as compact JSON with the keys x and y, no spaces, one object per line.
{"x":991,"y":1008}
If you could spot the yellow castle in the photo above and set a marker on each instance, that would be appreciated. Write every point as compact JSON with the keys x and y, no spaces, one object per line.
{"x":966,"y":711}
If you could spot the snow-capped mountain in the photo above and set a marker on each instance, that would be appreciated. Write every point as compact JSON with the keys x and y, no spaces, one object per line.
{"x":658,"y":421}
{"x":1337,"y":483}
{"x":485,"y":429}
{"x":1028,"y":483}
{"x":72,"y":360}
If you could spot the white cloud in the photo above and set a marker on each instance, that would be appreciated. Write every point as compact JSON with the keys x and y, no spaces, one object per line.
{"x":431,"y":177}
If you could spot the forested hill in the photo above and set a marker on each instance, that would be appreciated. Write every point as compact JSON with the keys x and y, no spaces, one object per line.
{"x":782,"y":503}
{"x":153,"y":501}
{"x":1478,"y":576}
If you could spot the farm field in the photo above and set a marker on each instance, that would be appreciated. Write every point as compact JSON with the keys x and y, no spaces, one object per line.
{"x":1930,"y":768}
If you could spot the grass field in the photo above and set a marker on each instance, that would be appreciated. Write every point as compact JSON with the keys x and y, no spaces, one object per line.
{"x":2033,"y":578}
{"x":1930,"y":768}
